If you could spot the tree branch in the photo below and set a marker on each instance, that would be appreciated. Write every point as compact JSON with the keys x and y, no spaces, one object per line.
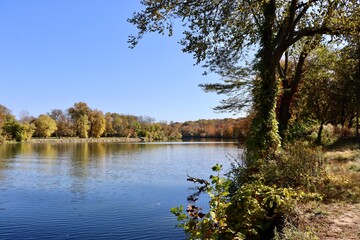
{"x":298,"y":71}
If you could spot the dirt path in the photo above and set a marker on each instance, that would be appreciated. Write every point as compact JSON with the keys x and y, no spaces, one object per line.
{"x":335,"y":221}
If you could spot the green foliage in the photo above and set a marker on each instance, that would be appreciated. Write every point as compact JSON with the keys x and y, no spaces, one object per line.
{"x":299,"y":130}
{"x":329,"y":91}
{"x":355,"y":168}
{"x":213,"y":224}
{"x":290,"y":232}
{"x":252,"y":211}
{"x":83,"y":126}
{"x":298,"y":165}
{"x":80,"y":117}
{"x":220,"y":33}
{"x":5,"y":116}
{"x":17,"y":131}
{"x":257,"y":208}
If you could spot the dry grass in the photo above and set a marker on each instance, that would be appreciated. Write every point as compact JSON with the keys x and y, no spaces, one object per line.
{"x":346,"y":155}
{"x":338,"y":217}
{"x":343,"y":171}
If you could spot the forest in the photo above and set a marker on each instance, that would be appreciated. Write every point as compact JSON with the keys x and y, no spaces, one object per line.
{"x":83,"y":122}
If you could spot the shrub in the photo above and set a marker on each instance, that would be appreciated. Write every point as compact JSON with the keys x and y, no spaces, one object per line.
{"x":251,"y":212}
{"x":297,"y":165}
{"x":213,"y":224}
{"x":291,"y":232}
{"x":257,"y":209}
{"x":344,"y":132}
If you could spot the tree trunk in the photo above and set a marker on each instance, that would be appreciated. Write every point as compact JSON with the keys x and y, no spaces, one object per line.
{"x":350,"y":122}
{"x":264,"y":137}
{"x":284,"y":114}
{"x":289,"y":90}
{"x":264,"y":141}
{"x":357,"y":125}
{"x":318,"y":139}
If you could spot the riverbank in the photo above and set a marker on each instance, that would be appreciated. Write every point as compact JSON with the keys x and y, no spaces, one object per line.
{"x":85,"y":140}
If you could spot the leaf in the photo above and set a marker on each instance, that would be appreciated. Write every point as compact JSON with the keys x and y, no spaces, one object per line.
{"x":212,"y":215}
{"x":216,"y":168}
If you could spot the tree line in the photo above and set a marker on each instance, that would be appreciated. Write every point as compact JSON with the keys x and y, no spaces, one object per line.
{"x":83,"y":122}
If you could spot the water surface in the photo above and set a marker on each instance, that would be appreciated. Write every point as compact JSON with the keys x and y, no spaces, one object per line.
{"x":100,"y":190}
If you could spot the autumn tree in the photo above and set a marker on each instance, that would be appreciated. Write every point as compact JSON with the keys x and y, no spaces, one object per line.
{"x":82,"y":126}
{"x":5,"y":116}
{"x":319,"y":87}
{"x":329,"y":88}
{"x":109,"y":129}
{"x":120,"y":125}
{"x":80,"y":116}
{"x":349,"y":71}
{"x":26,"y":118}
{"x":45,"y":126}
{"x":221,"y":33}
{"x":17,"y":131}
{"x":11,"y":129}
{"x":172,"y":130}
{"x":345,"y":72}
{"x":97,"y":123}
{"x":65,"y":126}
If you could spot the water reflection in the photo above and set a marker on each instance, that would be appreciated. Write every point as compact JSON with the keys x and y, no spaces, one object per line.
{"x":89,"y":190}
{"x":82,"y":152}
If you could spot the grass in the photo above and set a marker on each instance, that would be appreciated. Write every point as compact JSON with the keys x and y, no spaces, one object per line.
{"x":338,"y":215}
{"x":345,"y":155}
{"x":343,"y":167}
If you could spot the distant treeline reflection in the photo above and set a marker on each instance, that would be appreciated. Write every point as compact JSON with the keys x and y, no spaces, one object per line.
{"x":75,"y":151}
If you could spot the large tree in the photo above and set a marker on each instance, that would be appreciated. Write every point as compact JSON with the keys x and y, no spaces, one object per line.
{"x":45,"y":126}
{"x":80,"y":116}
{"x":221,"y":32}
{"x":97,"y":123}
{"x":65,"y":127}
{"x":5,"y":116}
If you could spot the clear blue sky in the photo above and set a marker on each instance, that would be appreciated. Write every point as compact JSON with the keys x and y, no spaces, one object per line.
{"x":55,"y":53}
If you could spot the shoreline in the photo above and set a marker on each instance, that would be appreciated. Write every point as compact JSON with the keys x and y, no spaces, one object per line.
{"x":111,"y":140}
{"x":84,"y":140}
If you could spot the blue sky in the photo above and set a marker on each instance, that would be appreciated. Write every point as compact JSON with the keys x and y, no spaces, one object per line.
{"x":56,"y":53}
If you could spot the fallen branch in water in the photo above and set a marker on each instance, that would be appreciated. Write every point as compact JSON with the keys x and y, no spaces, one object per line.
{"x":199,"y":189}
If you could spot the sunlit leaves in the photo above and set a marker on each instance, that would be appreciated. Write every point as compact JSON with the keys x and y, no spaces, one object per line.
{"x":45,"y":126}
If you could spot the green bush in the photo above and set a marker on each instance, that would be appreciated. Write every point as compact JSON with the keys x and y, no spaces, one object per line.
{"x":257,"y":196}
{"x":251,"y":212}
{"x":297,"y":165}
{"x":257,"y":209}
{"x":213,"y":224}
{"x":299,"y":130}
{"x":290,"y":232}
{"x":17,"y":131}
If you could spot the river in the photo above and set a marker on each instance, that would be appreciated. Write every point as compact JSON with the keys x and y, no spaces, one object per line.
{"x":101,"y":190}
